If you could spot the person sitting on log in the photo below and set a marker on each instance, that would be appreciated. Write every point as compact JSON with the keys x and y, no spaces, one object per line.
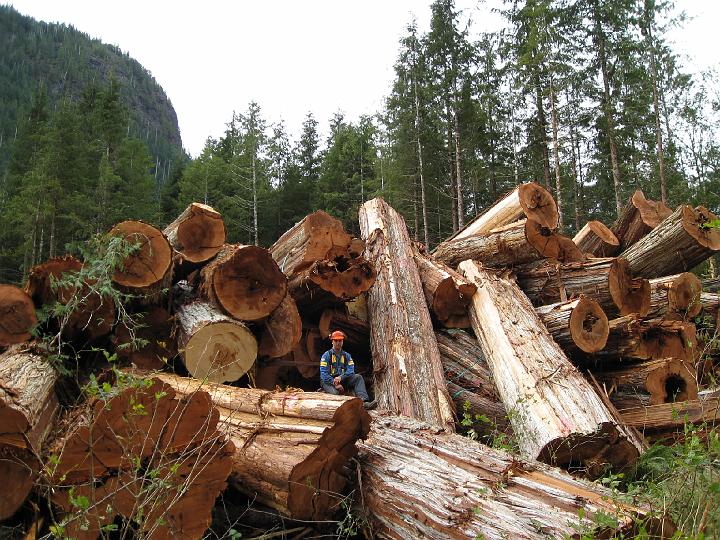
{"x":337,"y":371}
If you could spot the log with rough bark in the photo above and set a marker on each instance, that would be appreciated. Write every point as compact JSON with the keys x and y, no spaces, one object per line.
{"x":148,"y":269}
{"x":291,"y":447}
{"x":418,"y":482}
{"x":447,"y":293}
{"x":213,"y":345}
{"x":556,"y":415}
{"x":678,"y":244}
{"x":197,"y":234}
{"x":316,"y":237}
{"x":710,"y":302}
{"x":407,"y":370}
{"x":578,"y":324}
{"x":668,"y":417}
{"x":597,"y":240}
{"x":638,"y":218}
{"x":518,"y":243}
{"x":281,"y":331}
{"x":675,"y":296}
{"x":149,"y":344}
{"x":607,"y":281}
{"x":244,"y":281}
{"x":17,"y":315}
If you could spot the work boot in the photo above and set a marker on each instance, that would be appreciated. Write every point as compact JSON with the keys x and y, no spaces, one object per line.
{"x":370,"y":404}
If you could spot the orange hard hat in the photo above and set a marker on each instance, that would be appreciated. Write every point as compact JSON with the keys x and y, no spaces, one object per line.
{"x":337,"y":334}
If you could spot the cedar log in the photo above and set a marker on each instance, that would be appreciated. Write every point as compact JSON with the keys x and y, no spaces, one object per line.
{"x":638,"y":218}
{"x":147,"y":270}
{"x":197,"y":234}
{"x":17,"y":315}
{"x":281,"y":331}
{"x":155,"y":329}
{"x":675,"y":296}
{"x":576,"y":324}
{"x":597,"y":240}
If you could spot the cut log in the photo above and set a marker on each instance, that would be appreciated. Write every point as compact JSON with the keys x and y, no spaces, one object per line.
{"x":307,"y":366}
{"x":597,"y":240}
{"x":408,"y":374}
{"x":556,"y":415}
{"x":447,"y":293}
{"x":292,"y":447}
{"x":17,"y":315}
{"x":678,"y":244}
{"x":638,"y":218}
{"x":671,"y":416}
{"x":18,"y":472}
{"x":281,"y":331}
{"x":197,"y":234}
{"x":418,"y":482}
{"x":150,"y":345}
{"x":147,"y":270}
{"x":316,"y":237}
{"x":214,"y":346}
{"x":244,"y":281}
{"x":607,"y":281}
{"x":357,"y":331}
{"x":518,"y":243}
{"x":576,"y":324}
{"x":493,"y":413}
{"x":675,"y":296}
{"x":710,"y":302}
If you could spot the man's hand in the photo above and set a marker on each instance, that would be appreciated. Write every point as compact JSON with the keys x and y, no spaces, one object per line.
{"x":337,"y":383}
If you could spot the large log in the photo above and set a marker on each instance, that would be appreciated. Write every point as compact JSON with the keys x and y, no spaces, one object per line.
{"x":148,"y":270}
{"x":244,"y":281}
{"x":518,"y":243}
{"x":281,"y":331}
{"x":291,"y":447}
{"x":17,"y":315}
{"x":213,"y":345}
{"x":678,"y":244}
{"x":316,"y":237}
{"x":607,"y":281}
{"x":638,"y":218}
{"x":406,"y":362}
{"x":418,"y":482}
{"x":675,"y":296}
{"x":597,"y":240}
{"x":672,"y":416}
{"x":150,"y":343}
{"x":556,"y":415}
{"x":197,"y":234}
{"x":578,"y":324}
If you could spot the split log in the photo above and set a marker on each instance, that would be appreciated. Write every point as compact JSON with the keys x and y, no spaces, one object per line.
{"x":418,"y":482}
{"x":214,"y":346}
{"x":197,"y":234}
{"x":518,"y":243}
{"x":638,"y":218}
{"x":316,"y":237}
{"x":678,"y":244}
{"x":447,"y":293}
{"x":17,"y":315}
{"x":557,"y":416}
{"x":675,"y":296}
{"x":308,"y":438}
{"x":576,"y":324}
{"x":150,"y":344}
{"x":607,"y":281}
{"x":148,"y":270}
{"x":281,"y":331}
{"x":408,"y":374}
{"x":597,"y":240}
{"x":244,"y":281}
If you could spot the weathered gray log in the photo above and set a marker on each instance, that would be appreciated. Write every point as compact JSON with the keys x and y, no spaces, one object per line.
{"x":557,"y":416}
{"x":675,"y":296}
{"x":638,"y":217}
{"x":578,"y":324}
{"x":597,"y":240}
{"x":198,"y":233}
{"x":407,"y":369}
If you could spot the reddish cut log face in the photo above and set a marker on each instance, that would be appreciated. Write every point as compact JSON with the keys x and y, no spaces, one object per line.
{"x":630,"y":295}
{"x":697,"y":222}
{"x":148,"y":266}
{"x":550,"y":244}
{"x":202,"y":235}
{"x":589,"y":326}
{"x":538,"y":205}
{"x":17,"y":315}
{"x":220,"y":351}
{"x":603,"y":232}
{"x":684,"y":295}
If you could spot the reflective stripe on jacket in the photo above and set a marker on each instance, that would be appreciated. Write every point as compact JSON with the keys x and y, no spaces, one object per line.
{"x":333,"y":364}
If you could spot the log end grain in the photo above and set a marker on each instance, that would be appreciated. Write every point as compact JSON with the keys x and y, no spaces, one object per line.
{"x":148,"y":266}
{"x":684,"y":295}
{"x":202,"y":234}
{"x":629,"y":295}
{"x":17,"y":315}
{"x":672,"y":381}
{"x":281,"y":331}
{"x":220,"y":352}
{"x":550,"y":244}
{"x":18,"y":471}
{"x":589,"y":326}
{"x":538,"y":205}
{"x":698,"y":222}
{"x":651,"y":212}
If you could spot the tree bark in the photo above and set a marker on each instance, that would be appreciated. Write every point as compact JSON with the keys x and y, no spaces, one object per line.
{"x":197,"y":234}
{"x":17,"y":315}
{"x":281,"y":331}
{"x":408,"y":373}
{"x":675,"y":296}
{"x":597,"y":240}
{"x":672,"y":416}
{"x":681,"y":242}
{"x":638,"y":217}
{"x":579,"y":324}
{"x":556,"y":154}
{"x":556,"y":415}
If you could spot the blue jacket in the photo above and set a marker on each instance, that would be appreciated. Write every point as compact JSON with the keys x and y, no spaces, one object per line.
{"x":333,"y":364}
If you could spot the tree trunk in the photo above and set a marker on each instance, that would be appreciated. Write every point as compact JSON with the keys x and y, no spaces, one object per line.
{"x":291,"y":448}
{"x":213,"y":345}
{"x":244,"y":281}
{"x":281,"y":331}
{"x":418,"y":482}
{"x":597,"y":240}
{"x":556,"y":154}
{"x":408,"y":373}
{"x":518,"y":243}
{"x":638,"y":217}
{"x":197,"y":234}
{"x":557,"y":416}
{"x":542,"y":122}
{"x":579,"y":324}
{"x":681,"y":242}
{"x":458,"y":170}
{"x":675,"y":296}
{"x":155,"y":327}
{"x":17,"y":315}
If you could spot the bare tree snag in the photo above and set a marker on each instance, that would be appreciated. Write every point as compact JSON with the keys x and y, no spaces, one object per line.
{"x":518,"y":243}
{"x":17,"y":315}
{"x":198,"y":233}
{"x":555,"y":413}
{"x":316,"y":237}
{"x":678,"y":244}
{"x":407,"y":369}
{"x":576,"y":324}
{"x":447,"y":293}
{"x":607,"y":281}
{"x":307,"y":437}
{"x":675,"y":296}
{"x":638,"y":217}
{"x":214,"y":346}
{"x":150,"y":344}
{"x":597,"y":240}
{"x":244,"y":281}
{"x":149,"y":269}
{"x":418,"y":482}
{"x":281,"y":331}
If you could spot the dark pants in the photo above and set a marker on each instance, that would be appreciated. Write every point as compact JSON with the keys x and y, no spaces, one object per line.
{"x":350,"y":382}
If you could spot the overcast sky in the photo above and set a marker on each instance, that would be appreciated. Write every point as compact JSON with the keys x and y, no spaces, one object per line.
{"x":291,"y":56}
